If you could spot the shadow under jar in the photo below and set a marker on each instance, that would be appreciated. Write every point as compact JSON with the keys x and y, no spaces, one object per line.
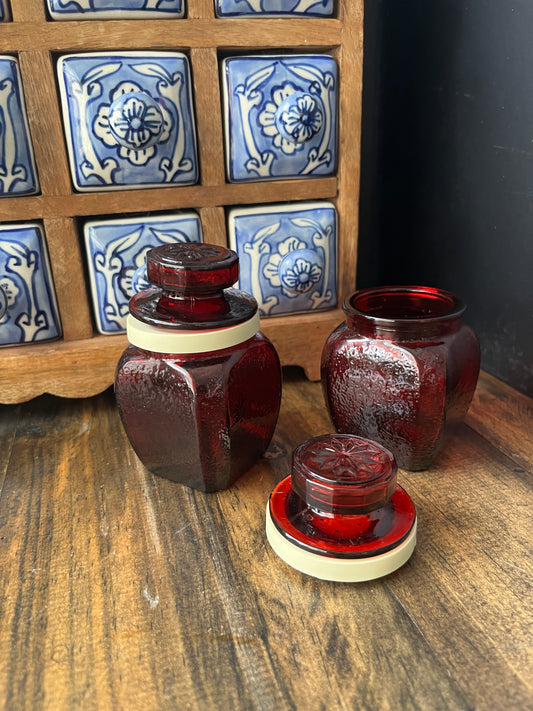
{"x":401,"y":370}
{"x":199,"y":387}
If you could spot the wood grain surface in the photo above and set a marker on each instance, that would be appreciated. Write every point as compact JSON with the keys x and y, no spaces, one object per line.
{"x":124,"y":591}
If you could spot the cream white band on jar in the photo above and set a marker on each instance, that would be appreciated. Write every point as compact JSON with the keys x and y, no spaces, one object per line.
{"x":342,"y":570}
{"x":163,"y":340}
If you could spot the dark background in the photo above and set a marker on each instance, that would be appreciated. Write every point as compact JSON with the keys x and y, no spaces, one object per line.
{"x":447,"y":163}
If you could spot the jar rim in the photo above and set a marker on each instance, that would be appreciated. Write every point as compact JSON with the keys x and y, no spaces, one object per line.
{"x":389,"y":305}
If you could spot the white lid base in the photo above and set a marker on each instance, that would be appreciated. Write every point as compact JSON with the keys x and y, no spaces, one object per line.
{"x":167,"y":340}
{"x":342,"y":570}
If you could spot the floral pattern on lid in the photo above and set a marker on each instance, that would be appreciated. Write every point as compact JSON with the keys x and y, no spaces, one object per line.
{"x":343,"y":473}
{"x":346,"y":459}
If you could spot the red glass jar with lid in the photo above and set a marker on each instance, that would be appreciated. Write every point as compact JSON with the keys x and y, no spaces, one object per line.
{"x":401,"y":370}
{"x":199,"y":388}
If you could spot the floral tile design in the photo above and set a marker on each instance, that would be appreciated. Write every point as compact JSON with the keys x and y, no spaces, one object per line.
{"x":128,"y":119}
{"x":116,"y":251}
{"x":288,"y":255}
{"x":280,"y":116}
{"x":28,"y":309}
{"x":274,"y":8}
{"x":18,"y":175}
{"x":114,"y":9}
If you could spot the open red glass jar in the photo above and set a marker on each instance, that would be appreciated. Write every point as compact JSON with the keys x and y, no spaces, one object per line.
{"x":199,"y":387}
{"x":341,"y":514}
{"x":401,"y":369}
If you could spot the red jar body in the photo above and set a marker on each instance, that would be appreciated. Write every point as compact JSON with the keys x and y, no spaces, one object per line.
{"x":199,"y":388}
{"x":200,"y":419}
{"x":402,"y":370}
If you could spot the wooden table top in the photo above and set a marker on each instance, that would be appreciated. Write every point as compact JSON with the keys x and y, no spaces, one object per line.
{"x":124,"y":591}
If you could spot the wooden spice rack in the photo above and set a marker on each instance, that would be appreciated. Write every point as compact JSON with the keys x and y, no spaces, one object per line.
{"x":83,"y":362}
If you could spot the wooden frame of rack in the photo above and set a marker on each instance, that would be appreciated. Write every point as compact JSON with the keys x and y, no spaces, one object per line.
{"x":83,"y":362}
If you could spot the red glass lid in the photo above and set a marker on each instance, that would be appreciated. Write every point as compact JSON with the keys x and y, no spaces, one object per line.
{"x":342,"y":536}
{"x":192,"y":289}
{"x":341,"y":501}
{"x":343,"y":474}
{"x":192,"y":266}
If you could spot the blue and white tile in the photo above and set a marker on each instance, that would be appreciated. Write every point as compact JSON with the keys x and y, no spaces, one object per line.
{"x":116,"y":253}
{"x":18,"y":175}
{"x":28,"y":308}
{"x":5,"y":15}
{"x":280,"y":116}
{"x":287,"y":255}
{"x":274,"y":8}
{"x":129,"y":119}
{"x":115,"y":9}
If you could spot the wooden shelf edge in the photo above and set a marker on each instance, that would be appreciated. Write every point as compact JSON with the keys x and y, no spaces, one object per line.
{"x":167,"y":198}
{"x":105,"y":35}
{"x":84,"y":368}
{"x":65,"y":368}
